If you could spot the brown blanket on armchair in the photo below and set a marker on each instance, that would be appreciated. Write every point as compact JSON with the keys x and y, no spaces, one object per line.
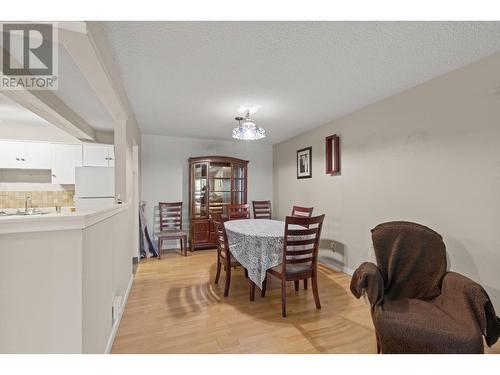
{"x":416,"y":306}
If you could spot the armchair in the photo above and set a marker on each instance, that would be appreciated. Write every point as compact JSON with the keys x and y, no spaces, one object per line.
{"x":416,"y":306}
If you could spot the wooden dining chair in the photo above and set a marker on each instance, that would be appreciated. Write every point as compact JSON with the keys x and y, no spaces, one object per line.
{"x":238,"y":211}
{"x":171,"y":225}
{"x":261,"y":209}
{"x":300,"y":256}
{"x":224,"y":258}
{"x":298,"y":211}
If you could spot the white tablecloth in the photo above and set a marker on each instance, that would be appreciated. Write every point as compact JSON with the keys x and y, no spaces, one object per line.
{"x":257,"y":244}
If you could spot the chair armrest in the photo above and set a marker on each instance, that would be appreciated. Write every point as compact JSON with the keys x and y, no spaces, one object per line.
{"x":368,"y":279}
{"x":458,"y":287}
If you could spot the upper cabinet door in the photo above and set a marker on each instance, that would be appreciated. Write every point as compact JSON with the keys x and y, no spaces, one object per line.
{"x":65,"y":158}
{"x":11,"y":154}
{"x":95,"y":155}
{"x":24,"y":155}
{"x":111,"y":155}
{"x":36,"y":155}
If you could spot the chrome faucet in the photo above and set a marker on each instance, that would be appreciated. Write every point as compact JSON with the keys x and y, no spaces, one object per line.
{"x":28,"y":202}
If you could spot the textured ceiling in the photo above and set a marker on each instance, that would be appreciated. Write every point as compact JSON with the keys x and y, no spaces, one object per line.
{"x":190,"y":78}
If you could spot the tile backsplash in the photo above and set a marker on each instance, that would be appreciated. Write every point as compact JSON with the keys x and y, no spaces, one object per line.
{"x":16,"y":199}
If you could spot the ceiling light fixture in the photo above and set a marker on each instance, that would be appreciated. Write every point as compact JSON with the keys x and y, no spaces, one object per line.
{"x":247,"y":130}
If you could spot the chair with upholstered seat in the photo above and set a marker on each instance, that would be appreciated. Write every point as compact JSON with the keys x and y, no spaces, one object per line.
{"x":238,"y":211}
{"x":171,"y":225}
{"x":261,"y":209}
{"x":416,"y":305}
{"x":224,"y":258}
{"x":300,"y":256}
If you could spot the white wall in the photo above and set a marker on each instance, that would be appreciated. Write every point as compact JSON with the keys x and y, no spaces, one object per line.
{"x":57,"y":285}
{"x":41,"y":292}
{"x":165,"y":171}
{"x":430,"y":154}
{"x":36,"y":132}
{"x":107,"y":272}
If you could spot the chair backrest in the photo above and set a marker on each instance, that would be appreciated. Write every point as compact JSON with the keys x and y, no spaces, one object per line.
{"x":238,"y":211}
{"x":411,"y":258}
{"x":301,"y":241}
{"x":221,"y":238}
{"x":170,"y":215}
{"x":261,"y":209}
{"x":298,"y":211}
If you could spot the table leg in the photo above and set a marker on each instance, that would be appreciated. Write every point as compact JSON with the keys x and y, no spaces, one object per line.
{"x":252,"y":290}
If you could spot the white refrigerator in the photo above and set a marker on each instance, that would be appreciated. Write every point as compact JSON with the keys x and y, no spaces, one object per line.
{"x":94,"y":188}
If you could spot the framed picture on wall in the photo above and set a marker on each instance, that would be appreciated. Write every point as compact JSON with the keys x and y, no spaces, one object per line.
{"x":332,"y":153}
{"x":304,"y":163}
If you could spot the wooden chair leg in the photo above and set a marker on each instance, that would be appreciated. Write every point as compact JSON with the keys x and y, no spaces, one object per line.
{"x":184,"y":246}
{"x":264,"y":287}
{"x":228,"y":281}
{"x":252,"y":290}
{"x":314,"y":281}
{"x":159,"y":248}
{"x":283,"y":298}
{"x":305,"y":284}
{"x":296,"y":282}
{"x":217,"y":275}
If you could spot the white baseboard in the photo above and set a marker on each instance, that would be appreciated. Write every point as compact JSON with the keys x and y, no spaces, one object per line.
{"x":337,"y":267}
{"x":116,"y":324}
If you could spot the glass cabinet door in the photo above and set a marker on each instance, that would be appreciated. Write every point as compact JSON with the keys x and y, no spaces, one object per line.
{"x":220,"y":186}
{"x":200,"y":189}
{"x":239,"y":184}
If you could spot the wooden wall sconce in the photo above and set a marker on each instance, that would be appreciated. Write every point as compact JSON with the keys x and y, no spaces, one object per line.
{"x":332,"y":144}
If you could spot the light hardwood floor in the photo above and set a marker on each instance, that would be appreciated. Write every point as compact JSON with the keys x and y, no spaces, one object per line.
{"x":175,"y":307}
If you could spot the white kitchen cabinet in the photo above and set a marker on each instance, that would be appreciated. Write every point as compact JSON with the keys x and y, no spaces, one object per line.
{"x":10,"y":154}
{"x":24,"y":155}
{"x":98,"y":155}
{"x":36,"y":155}
{"x":111,"y":153}
{"x":65,"y":158}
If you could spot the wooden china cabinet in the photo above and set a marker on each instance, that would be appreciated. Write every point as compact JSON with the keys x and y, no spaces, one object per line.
{"x":214,"y":182}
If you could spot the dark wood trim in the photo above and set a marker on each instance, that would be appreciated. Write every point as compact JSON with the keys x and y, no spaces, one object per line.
{"x":310,"y":162}
{"x":227,"y":159}
{"x":332,"y":144}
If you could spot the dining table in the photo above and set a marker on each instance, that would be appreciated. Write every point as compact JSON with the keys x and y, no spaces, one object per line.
{"x":257,"y":244}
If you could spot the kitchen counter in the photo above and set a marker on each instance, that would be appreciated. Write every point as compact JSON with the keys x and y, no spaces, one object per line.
{"x":64,"y":279}
{"x":51,"y":221}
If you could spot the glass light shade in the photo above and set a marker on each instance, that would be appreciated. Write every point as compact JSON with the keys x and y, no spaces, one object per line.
{"x":248,"y":131}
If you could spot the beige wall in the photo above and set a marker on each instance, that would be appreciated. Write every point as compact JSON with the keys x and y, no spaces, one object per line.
{"x":430,"y":154}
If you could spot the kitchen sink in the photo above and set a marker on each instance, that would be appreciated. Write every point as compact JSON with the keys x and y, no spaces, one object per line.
{"x":23,"y":213}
